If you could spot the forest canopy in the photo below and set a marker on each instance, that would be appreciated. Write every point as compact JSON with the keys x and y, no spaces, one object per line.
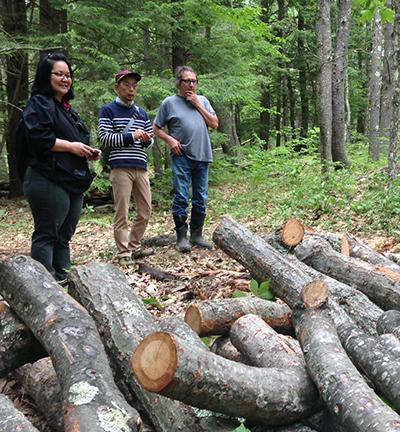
{"x":309,"y":75}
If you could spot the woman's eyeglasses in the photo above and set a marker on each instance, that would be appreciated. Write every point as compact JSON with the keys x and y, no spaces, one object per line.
{"x":61,"y":75}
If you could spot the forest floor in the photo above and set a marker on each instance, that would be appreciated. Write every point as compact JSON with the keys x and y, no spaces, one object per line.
{"x":202,"y":274}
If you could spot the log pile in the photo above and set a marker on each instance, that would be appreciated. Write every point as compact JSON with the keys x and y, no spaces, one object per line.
{"x":325,"y":356}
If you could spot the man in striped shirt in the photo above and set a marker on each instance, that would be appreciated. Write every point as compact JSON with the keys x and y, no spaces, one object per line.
{"x":127,"y":130}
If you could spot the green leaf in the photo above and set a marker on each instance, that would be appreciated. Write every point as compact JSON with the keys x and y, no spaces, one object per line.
{"x":267,"y":295}
{"x":264,"y":287}
{"x":237,"y":294}
{"x":152,"y":301}
{"x":254,"y":287}
{"x":241,"y":428}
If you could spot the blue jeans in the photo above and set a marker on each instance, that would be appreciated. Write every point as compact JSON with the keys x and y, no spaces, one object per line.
{"x":185,"y":170}
{"x":56,"y":214}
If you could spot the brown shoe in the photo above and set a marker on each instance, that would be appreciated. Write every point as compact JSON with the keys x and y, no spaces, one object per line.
{"x":141,"y":253}
{"x":125,"y":262}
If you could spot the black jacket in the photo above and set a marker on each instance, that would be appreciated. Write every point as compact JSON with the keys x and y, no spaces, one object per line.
{"x":45,"y":120}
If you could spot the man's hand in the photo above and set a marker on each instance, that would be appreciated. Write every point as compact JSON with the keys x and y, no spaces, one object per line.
{"x":142,"y":135}
{"x":191,"y":97}
{"x":175,"y":145}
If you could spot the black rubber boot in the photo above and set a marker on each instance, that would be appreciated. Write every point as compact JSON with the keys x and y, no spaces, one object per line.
{"x":196,"y":230}
{"x":181,"y":228}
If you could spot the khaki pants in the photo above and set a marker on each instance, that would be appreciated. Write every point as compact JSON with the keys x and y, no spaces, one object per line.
{"x":127,"y":181}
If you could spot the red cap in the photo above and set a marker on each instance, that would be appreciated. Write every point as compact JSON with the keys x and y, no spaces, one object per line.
{"x":123,"y":74}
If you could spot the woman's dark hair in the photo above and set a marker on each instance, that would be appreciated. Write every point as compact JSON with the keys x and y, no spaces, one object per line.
{"x":179,"y":71}
{"x":42,"y":83}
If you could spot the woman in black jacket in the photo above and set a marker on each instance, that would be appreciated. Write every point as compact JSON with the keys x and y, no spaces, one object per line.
{"x":58,"y":172}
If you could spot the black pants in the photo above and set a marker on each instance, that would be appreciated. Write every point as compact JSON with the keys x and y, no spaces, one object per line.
{"x":56,"y":214}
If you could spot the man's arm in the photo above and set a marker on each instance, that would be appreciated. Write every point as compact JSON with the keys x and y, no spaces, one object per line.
{"x":175,"y":145}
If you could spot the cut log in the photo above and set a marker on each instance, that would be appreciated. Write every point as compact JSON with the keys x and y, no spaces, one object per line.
{"x":124,"y":320}
{"x":170,"y":366}
{"x":266,"y":264}
{"x":395,"y":257}
{"x":177,"y":326}
{"x":39,"y":381}
{"x":373,"y":360}
{"x":346,"y":394}
{"x":365,"y":277}
{"x":389,"y":322}
{"x":259,"y":342}
{"x":223,"y":347}
{"x":369,"y":255}
{"x":12,"y":420}
{"x":91,"y":400}
{"x":215,"y":317}
{"x":17,"y":343}
{"x":289,"y":234}
{"x":355,"y":303}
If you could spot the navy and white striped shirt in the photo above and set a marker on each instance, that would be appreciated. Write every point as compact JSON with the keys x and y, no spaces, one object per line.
{"x":125,"y":150}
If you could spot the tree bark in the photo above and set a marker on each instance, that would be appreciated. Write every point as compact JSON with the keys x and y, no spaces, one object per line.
{"x":394,"y":121}
{"x":363,"y":276}
{"x":177,"y":326}
{"x":266,"y":264}
{"x":373,"y":360}
{"x":389,"y":322}
{"x":348,"y":397}
{"x":324,"y":79}
{"x":170,"y":366}
{"x":215,"y":317}
{"x":375,"y":86}
{"x":40,"y":381}
{"x":91,"y":400}
{"x":369,"y":255}
{"x":223,"y":347}
{"x":339,"y":71}
{"x":18,"y":345}
{"x":259,"y":342}
{"x":11,"y":419}
{"x":388,"y":81}
{"x":125,"y":322}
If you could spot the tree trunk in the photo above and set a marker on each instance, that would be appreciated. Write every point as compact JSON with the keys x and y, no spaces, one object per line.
{"x":371,"y":358}
{"x":348,"y":397}
{"x":11,"y":419}
{"x":39,"y":381}
{"x":338,"y":83}
{"x":360,"y":275}
{"x":266,"y":264}
{"x":170,"y":366}
{"x":14,"y":24}
{"x":125,"y":322}
{"x":375,"y":86}
{"x":394,"y":128}
{"x":91,"y":400}
{"x":324,"y":79}
{"x":388,"y":81}
{"x":259,"y":342}
{"x":179,"y":50}
{"x":18,"y":344}
{"x":215,"y":317}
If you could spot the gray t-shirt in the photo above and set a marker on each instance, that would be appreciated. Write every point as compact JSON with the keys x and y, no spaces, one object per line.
{"x":187,"y":125}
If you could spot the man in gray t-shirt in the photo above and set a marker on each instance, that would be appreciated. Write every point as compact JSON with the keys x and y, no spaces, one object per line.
{"x":188,"y":117}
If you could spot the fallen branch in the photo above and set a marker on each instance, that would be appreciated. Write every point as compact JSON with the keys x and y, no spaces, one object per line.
{"x":11,"y":419}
